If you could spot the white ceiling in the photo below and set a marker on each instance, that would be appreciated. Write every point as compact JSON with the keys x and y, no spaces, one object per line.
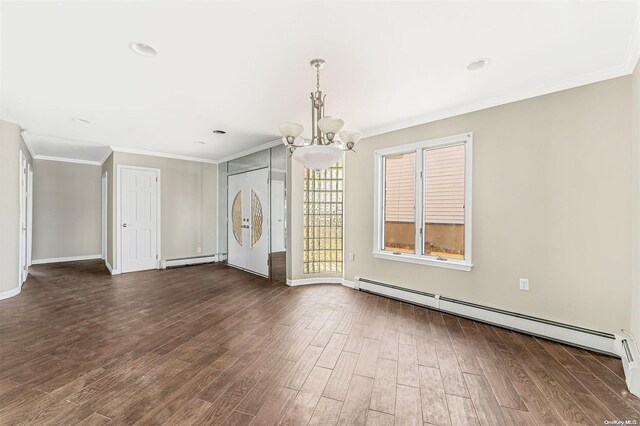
{"x":243,"y":67}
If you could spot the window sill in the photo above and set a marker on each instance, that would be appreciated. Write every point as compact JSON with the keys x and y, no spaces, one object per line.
{"x":412,"y":258}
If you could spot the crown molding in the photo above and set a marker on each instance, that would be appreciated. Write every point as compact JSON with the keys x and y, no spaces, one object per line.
{"x":66,"y":160}
{"x":161,"y":154}
{"x":249,"y":151}
{"x":197,"y":159}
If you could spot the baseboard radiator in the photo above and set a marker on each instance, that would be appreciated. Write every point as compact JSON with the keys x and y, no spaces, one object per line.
{"x":577,"y":336}
{"x":184,"y":261}
{"x":630,"y":362}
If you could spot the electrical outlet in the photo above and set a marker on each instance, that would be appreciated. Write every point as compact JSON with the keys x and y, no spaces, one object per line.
{"x":199,"y":249}
{"x":524,"y":284}
{"x":352,"y":256}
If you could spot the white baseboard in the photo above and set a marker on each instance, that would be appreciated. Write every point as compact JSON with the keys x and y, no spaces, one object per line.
{"x":10,"y":293}
{"x":348,"y":283}
{"x":321,"y":280}
{"x":167,"y":263}
{"x":316,"y":280}
{"x":576,"y":336}
{"x":66,"y":259}
{"x":630,"y":355}
{"x":112,"y":271}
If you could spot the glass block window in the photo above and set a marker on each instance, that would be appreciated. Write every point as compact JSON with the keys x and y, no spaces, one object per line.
{"x":323,"y":220}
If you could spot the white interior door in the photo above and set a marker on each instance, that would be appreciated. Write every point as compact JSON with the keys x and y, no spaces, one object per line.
{"x":248,"y":224}
{"x":138,"y":219}
{"x":277,"y":216}
{"x":29,"y":215}
{"x":23,"y":271}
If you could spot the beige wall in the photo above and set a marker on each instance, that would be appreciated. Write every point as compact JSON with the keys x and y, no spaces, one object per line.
{"x":635,"y":251}
{"x":188,"y":204}
{"x":547,"y":171}
{"x":11,"y":144}
{"x":66,"y":209}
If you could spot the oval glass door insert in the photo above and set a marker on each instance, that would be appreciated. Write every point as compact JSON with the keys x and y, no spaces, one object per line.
{"x":256,"y":218}
{"x":236,"y":217}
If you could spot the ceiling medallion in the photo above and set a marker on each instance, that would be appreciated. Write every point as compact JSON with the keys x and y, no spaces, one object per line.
{"x":323,"y":150}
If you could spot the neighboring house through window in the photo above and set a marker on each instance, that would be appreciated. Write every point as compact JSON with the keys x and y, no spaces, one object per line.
{"x":423,"y":202}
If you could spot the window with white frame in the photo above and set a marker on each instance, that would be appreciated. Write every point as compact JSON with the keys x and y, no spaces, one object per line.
{"x":423,"y":202}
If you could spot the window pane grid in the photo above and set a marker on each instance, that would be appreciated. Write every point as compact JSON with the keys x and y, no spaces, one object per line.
{"x":322,"y":206}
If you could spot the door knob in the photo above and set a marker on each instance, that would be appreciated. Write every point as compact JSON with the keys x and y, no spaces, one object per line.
{"x":124,"y":225}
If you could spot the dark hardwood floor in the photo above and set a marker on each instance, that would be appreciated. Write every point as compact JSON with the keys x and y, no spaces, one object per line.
{"x":210,"y":344}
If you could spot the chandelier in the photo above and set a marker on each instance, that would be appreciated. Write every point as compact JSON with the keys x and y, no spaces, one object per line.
{"x":323,"y":150}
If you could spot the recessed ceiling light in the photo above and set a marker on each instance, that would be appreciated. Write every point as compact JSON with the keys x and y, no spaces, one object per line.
{"x":200,"y":142}
{"x":219,"y":132}
{"x":143,"y":49}
{"x":478,"y":64}
{"x":75,"y":147}
{"x":80,"y":120}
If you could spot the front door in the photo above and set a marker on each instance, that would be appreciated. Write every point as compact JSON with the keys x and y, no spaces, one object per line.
{"x":139,"y":218}
{"x":248,"y":214}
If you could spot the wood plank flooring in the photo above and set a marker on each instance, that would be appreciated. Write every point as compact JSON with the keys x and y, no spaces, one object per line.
{"x":210,"y":345}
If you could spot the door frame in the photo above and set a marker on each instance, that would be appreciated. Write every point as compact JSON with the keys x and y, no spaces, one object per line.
{"x":118,"y":246}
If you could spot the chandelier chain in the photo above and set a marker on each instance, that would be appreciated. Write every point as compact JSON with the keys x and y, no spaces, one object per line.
{"x":318,"y":79}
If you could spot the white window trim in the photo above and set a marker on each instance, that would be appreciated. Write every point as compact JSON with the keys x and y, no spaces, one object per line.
{"x":449,"y":263}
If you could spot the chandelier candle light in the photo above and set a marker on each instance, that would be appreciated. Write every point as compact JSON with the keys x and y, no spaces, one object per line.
{"x":323,"y":150}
